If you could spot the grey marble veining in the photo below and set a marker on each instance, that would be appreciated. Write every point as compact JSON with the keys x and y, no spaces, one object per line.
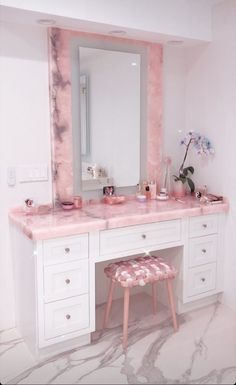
{"x":203,"y":351}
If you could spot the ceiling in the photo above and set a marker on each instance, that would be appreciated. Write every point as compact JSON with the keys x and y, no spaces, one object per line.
{"x":26,"y":17}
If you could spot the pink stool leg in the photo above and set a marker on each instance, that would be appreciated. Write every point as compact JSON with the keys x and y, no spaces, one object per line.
{"x":125,"y":317}
{"x":172,"y":305}
{"x":154,"y":298}
{"x":108,"y":305}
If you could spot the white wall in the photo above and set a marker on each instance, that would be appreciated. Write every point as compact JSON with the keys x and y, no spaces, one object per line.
{"x":24,"y":134}
{"x":200,"y":94}
{"x":183,"y":18}
{"x":210,"y":108}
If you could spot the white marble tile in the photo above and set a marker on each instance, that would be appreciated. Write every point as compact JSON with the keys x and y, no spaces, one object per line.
{"x":15,"y":357}
{"x":203,"y":351}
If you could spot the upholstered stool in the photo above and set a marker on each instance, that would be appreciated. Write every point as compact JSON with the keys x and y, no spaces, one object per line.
{"x":139,"y":271}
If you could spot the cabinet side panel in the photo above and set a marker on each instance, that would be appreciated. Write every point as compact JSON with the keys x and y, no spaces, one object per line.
{"x":24,"y":262}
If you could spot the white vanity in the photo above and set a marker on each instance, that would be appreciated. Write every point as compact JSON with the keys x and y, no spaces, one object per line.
{"x":55,"y":273}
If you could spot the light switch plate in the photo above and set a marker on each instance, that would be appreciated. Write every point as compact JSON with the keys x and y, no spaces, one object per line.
{"x":11,"y":176}
{"x":33,"y":173}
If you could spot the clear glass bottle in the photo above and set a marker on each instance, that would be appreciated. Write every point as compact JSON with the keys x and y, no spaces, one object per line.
{"x":166,"y":184}
{"x":153,"y":189}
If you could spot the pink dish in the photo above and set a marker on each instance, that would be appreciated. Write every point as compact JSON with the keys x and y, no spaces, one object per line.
{"x":67,"y":205}
{"x":114,"y":200}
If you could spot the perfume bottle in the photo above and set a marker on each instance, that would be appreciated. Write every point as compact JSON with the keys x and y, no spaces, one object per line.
{"x":147,"y":192}
{"x":153,"y":189}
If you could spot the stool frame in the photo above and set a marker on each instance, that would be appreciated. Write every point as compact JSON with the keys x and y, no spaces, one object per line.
{"x":126,"y":306}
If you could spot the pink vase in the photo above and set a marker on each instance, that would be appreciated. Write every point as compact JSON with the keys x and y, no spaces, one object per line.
{"x":179,"y":190}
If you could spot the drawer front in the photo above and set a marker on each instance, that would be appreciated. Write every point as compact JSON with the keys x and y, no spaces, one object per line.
{"x":203,"y":225}
{"x":65,"y":249}
{"x":66,"y":316}
{"x":65,"y":280}
{"x":139,"y":237}
{"x":201,"y":279}
{"x":202,"y":250}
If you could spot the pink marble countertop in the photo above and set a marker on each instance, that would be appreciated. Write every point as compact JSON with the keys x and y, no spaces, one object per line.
{"x":101,"y":216}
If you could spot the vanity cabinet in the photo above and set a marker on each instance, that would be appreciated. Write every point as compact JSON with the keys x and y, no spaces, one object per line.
{"x":141,"y":237}
{"x":55,"y":278}
{"x":63,"y":296}
{"x":204,"y":263}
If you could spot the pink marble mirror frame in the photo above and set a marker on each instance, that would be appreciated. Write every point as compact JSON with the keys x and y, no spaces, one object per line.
{"x":61,"y":106}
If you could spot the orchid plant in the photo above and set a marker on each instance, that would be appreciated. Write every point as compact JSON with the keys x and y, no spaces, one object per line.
{"x":203,"y":147}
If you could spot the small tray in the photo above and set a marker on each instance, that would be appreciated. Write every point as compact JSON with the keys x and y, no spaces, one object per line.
{"x":67,"y":205}
{"x":114,"y":200}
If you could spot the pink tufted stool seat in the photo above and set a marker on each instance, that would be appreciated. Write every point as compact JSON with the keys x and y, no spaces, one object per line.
{"x":139,"y":271}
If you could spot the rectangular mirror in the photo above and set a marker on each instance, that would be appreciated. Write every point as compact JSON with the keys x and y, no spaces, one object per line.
{"x":109,"y":117}
{"x":106,"y":125}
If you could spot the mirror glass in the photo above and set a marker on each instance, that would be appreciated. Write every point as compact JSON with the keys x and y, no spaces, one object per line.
{"x":109,"y":118}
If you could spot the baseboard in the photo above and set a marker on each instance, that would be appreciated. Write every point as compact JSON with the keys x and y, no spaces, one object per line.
{"x":183,"y":308}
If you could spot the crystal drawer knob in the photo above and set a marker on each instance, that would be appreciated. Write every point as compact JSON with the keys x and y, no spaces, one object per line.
{"x":204,"y":225}
{"x":67,"y":250}
{"x":203,"y":279}
{"x":68,"y":316}
{"x":67,"y":281}
{"x":204,"y":251}
{"x":144,"y":236}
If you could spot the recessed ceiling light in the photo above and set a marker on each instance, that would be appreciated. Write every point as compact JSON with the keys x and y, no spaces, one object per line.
{"x":46,"y":22}
{"x":175,"y":42}
{"x":117,"y":32}
{"x":134,"y":63}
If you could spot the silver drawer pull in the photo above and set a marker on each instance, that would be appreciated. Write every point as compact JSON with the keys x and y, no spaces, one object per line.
{"x":144,"y":236}
{"x":204,"y":225}
{"x":67,"y":250}
{"x":204,"y":251}
{"x":68,"y":316}
{"x":67,"y":281}
{"x":203,"y":279}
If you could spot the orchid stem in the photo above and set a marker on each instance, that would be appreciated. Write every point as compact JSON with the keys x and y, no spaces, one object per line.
{"x":185,"y":156}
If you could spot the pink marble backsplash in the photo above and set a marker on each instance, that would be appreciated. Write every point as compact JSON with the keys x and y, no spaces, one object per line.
{"x":61,"y":117}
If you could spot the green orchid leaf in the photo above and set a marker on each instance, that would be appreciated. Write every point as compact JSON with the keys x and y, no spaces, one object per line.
{"x":182,"y":178}
{"x":185,"y":171}
{"x":191,"y":185}
{"x":191,"y":169}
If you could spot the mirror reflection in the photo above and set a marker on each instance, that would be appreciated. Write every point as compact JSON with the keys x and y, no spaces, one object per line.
{"x":109,"y":118}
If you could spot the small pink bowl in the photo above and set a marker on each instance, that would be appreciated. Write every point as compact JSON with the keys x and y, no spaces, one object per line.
{"x":67,"y":205}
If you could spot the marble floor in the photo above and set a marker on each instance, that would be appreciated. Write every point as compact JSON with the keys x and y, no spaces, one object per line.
{"x":202,"y":352}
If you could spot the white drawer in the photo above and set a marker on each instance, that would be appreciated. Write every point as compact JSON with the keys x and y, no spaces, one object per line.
{"x":139,"y":237}
{"x":66,"y":316}
{"x":65,"y":280}
{"x":203,"y":225}
{"x":201,"y":279}
{"x":202,"y":250}
{"x":65,"y":249}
